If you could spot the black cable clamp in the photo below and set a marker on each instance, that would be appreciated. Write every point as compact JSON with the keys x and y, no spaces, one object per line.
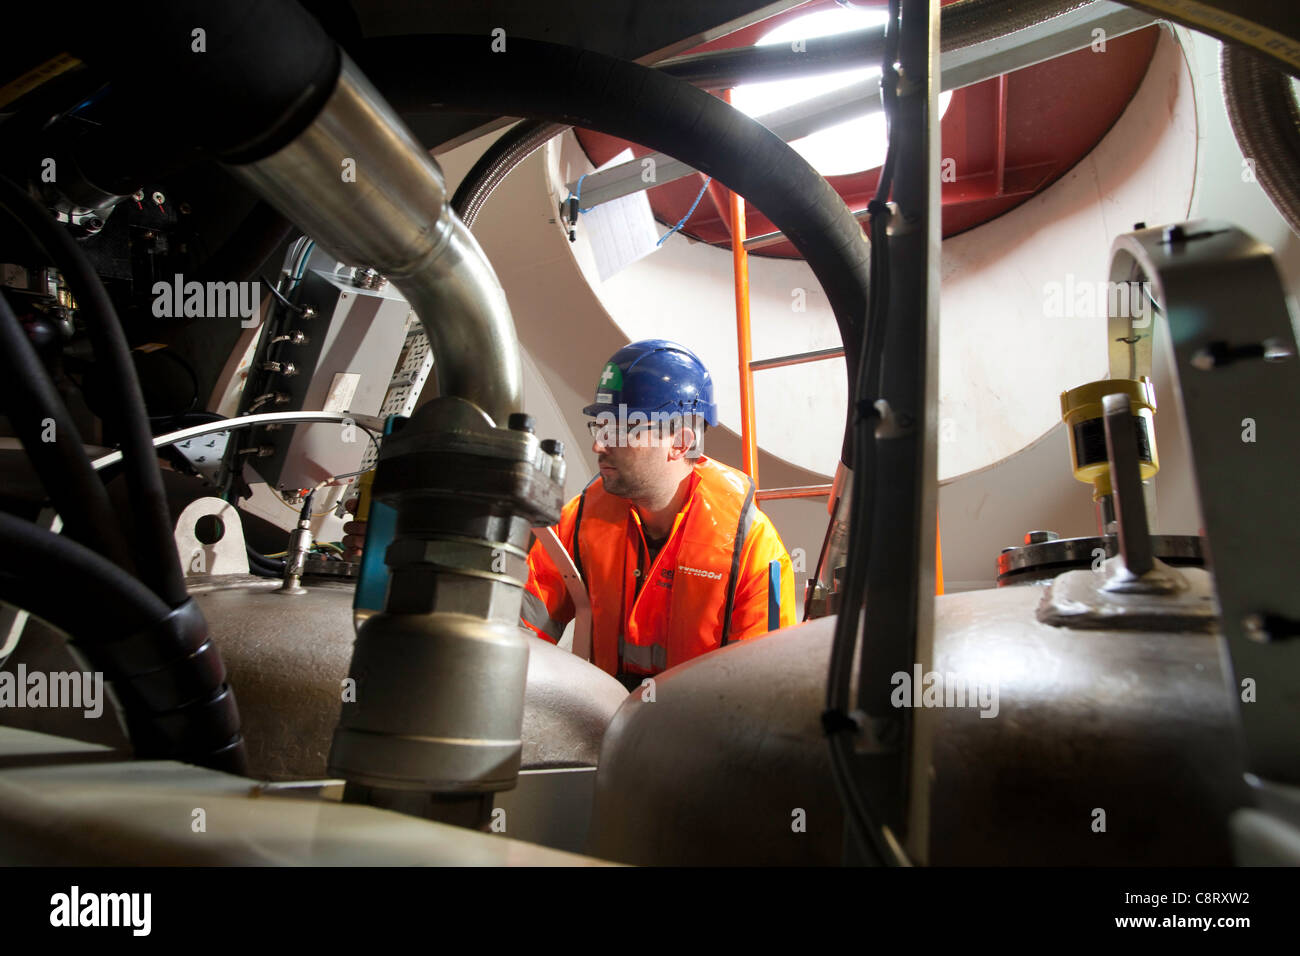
{"x":836,"y":721}
{"x":878,"y":207}
{"x":867,"y":410}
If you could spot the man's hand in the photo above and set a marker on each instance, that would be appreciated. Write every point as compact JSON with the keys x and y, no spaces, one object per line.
{"x":354,"y":533}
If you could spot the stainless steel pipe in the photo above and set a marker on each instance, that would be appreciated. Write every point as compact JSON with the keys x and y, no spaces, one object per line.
{"x":358,"y":182}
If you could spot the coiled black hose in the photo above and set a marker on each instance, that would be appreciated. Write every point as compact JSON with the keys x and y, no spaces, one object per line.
{"x":164,"y":670}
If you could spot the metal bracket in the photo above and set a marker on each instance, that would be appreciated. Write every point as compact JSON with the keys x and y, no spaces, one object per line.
{"x":226,"y":555}
{"x":1216,"y":284}
{"x":1081,"y":599}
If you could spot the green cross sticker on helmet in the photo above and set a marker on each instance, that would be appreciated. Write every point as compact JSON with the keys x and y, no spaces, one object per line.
{"x":611,"y":379}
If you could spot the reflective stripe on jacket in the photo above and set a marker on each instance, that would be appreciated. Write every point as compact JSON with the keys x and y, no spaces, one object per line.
{"x":722,"y":575}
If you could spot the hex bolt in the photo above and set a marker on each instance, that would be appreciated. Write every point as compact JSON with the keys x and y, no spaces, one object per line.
{"x":554,"y":447}
{"x":158,"y":198}
{"x":1174,"y":234}
{"x":521,"y":422}
{"x":1219,"y":353}
{"x":1039,"y":537}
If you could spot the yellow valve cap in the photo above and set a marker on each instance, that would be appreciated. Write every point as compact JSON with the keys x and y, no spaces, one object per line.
{"x":1083,"y":414}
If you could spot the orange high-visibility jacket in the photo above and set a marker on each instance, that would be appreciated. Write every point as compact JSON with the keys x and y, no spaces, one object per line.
{"x":723,"y":575}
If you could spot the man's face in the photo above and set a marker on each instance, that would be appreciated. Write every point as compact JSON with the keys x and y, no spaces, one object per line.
{"x":640,"y":464}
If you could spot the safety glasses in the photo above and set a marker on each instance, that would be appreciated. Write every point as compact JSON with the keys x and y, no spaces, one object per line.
{"x":614,"y":435}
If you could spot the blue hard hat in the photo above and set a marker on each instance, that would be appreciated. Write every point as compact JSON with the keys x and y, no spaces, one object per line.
{"x":655,"y":375}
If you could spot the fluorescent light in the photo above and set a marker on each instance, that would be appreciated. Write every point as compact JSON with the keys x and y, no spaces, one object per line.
{"x":849,"y":147}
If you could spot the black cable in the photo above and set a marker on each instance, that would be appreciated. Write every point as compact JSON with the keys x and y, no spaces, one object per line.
{"x":280,"y":295}
{"x":45,"y":567}
{"x":817,"y":571}
{"x":863,"y":826}
{"x":31,"y":401}
{"x":262,"y":566}
{"x":888,"y":100}
{"x":862,"y":815}
{"x":273,"y":566}
{"x":150,"y":529}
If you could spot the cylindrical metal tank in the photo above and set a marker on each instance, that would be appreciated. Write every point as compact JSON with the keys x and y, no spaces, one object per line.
{"x":1138,"y":725}
{"x":287,"y":657}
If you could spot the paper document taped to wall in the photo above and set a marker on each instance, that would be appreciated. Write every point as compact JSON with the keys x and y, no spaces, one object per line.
{"x":622,"y":230}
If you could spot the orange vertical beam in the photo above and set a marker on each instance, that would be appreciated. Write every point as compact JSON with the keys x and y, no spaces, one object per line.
{"x":938,"y":559}
{"x":740,"y":265}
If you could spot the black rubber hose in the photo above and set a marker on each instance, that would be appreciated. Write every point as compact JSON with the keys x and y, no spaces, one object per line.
{"x":580,"y":88}
{"x":265,"y":69}
{"x":165,"y":672}
{"x":274,"y":567}
{"x":150,"y":525}
{"x":709,"y":71}
{"x":71,"y":586}
{"x":961,"y":24}
{"x":56,"y":452}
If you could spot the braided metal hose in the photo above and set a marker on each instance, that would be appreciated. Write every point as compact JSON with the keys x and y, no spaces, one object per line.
{"x":1265,"y":118}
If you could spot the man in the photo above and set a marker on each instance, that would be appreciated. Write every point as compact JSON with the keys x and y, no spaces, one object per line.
{"x":676,"y":557}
